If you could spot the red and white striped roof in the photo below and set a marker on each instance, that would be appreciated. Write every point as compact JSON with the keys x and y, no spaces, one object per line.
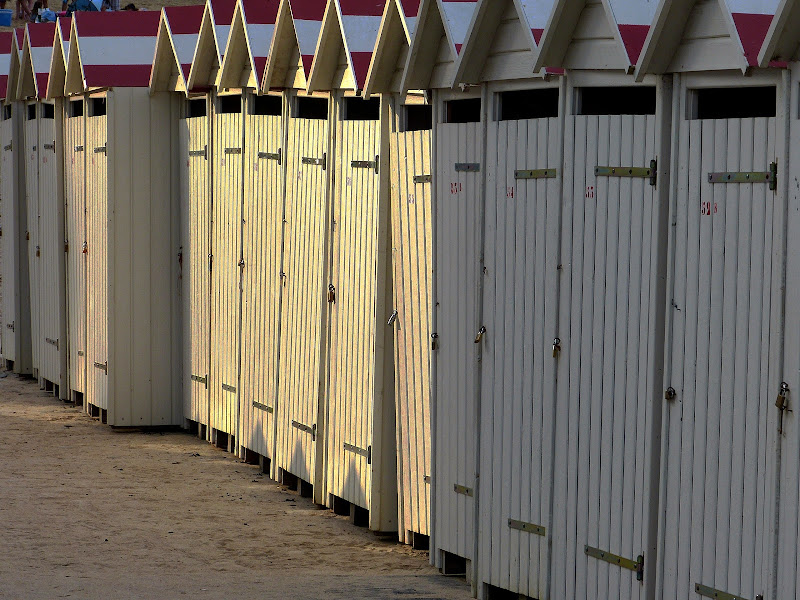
{"x":409,"y":9}
{"x":399,"y":20}
{"x":536,"y":13}
{"x":752,"y":19}
{"x":456,"y":15}
{"x":783,"y":37}
{"x":15,"y":65}
{"x":5,"y":61}
{"x":114,"y":49}
{"x":633,"y":18}
{"x":259,"y":20}
{"x":360,"y":21}
{"x":58,"y":63}
{"x":39,"y":41}
{"x":183,"y":26}
{"x":19,"y":33}
{"x":221,"y":13}
{"x":307,"y":18}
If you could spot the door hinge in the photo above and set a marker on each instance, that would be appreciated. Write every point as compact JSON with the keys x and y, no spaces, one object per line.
{"x":467,"y":167}
{"x":624,"y":563}
{"x":366,"y":164}
{"x":320,"y":162}
{"x":527,"y":527}
{"x":650,"y":172}
{"x":463,"y":490}
{"x":312,"y":429}
{"x":103,"y":366}
{"x":203,"y":152}
{"x":276,"y":156}
{"x":535,"y":174}
{"x":709,"y":592}
{"x":101,"y":149}
{"x":360,"y":451}
{"x":199,"y":379}
{"x":770,"y":177}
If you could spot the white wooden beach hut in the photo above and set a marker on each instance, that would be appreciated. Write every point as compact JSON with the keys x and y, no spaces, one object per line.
{"x":175,"y":48}
{"x":243,"y":68}
{"x":410,"y":124}
{"x":15,"y":330}
{"x":132,"y":230}
{"x":458,"y":174}
{"x":45,"y":176}
{"x":721,"y":502}
{"x":299,"y":452}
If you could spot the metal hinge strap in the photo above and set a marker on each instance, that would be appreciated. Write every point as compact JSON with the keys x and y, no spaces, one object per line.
{"x":100,"y":149}
{"x":360,"y":451}
{"x":308,"y":429}
{"x":233,"y":150}
{"x":50,"y":146}
{"x":770,"y":177}
{"x":535,"y":174}
{"x":422,"y":178}
{"x":366,"y":164}
{"x":201,"y":379}
{"x":320,"y":162}
{"x":203,"y":152}
{"x":79,"y":148}
{"x":101,"y":366}
{"x":228,"y":388}
{"x":7,"y":146}
{"x":650,"y":172}
{"x":467,"y":167}
{"x":51,"y":341}
{"x":264,"y":407}
{"x":708,"y":592}
{"x":625,"y":563}
{"x":527,"y":527}
{"x":271,"y":155}
{"x":462,"y":489}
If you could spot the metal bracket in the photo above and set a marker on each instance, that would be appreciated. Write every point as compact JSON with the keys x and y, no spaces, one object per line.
{"x":535,"y":174}
{"x":527,"y":527}
{"x":462,"y":489}
{"x":366,"y":164}
{"x":426,"y":478}
{"x":708,"y":592}
{"x":650,"y":172}
{"x":360,"y":451}
{"x":101,"y":150}
{"x":308,"y":429}
{"x":203,"y":152}
{"x":7,"y":146}
{"x":670,"y":393}
{"x":770,"y":177}
{"x":271,"y":155}
{"x":263,"y":407}
{"x":50,"y":146}
{"x":468,"y":167}
{"x":392,"y":318}
{"x":199,"y":379}
{"x":228,"y":388}
{"x":102,"y":366}
{"x":625,"y":563}
{"x":422,"y":178}
{"x":79,"y":148}
{"x":320,"y":162}
{"x":51,"y":341}
{"x":233,"y":150}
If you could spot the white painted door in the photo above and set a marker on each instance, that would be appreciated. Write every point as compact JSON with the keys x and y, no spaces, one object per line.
{"x":32,"y":231}
{"x":10,"y":228}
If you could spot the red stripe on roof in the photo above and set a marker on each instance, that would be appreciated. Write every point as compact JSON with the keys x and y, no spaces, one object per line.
{"x":184,"y":19}
{"x":3,"y":86}
{"x":186,"y":68}
{"x":307,"y":10}
{"x":362,"y":8}
{"x":66,"y":27}
{"x":633,"y":36}
{"x":260,"y":12}
{"x":41,"y":35}
{"x":458,"y":48}
{"x":410,"y":7}
{"x":308,"y":60}
{"x":537,"y":35}
{"x":117,"y":75}
{"x":361,"y":62}
{"x":20,"y":33}
{"x":261,"y":65}
{"x":124,"y":23}
{"x":752,"y":30}
{"x":223,"y":11}
{"x":41,"y":83}
{"x":5,"y":42}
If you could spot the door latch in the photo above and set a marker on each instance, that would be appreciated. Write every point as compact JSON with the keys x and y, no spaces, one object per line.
{"x":331,"y":294}
{"x":392,"y":318}
{"x":782,"y":403}
{"x":670,"y":393}
{"x":85,"y":249}
{"x":556,"y":347}
{"x":479,"y":337}
{"x":434,"y":341}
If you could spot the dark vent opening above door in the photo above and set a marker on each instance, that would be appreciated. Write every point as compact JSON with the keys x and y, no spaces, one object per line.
{"x":732,"y":103}
{"x":462,"y":111}
{"x":615,"y":101}
{"x":528,"y":104}
{"x":311,"y":108}
{"x":358,"y":109}
{"x":417,"y":117}
{"x":196,"y":108}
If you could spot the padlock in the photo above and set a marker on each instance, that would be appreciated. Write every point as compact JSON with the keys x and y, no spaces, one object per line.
{"x":85,"y":248}
{"x":670,"y":393}
{"x":479,"y":337}
{"x":556,"y":347}
{"x":331,"y":294}
{"x":434,"y":343}
{"x":781,"y":402}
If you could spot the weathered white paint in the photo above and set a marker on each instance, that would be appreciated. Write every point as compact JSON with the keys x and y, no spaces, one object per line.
{"x":31,"y":150}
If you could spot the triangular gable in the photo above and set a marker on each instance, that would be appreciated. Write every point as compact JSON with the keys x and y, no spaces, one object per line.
{"x":114,"y":49}
{"x":211,"y":43}
{"x":37,"y":52}
{"x":5,"y":60}
{"x":360,"y":21}
{"x":441,"y":31}
{"x":783,"y":37}
{"x":394,"y":39}
{"x":584,"y":34}
{"x":175,"y":46}
{"x":249,"y":41}
{"x":58,"y":62}
{"x":15,"y":65}
{"x":752,"y":19}
{"x":329,"y":48}
{"x":692,"y":35}
{"x":633,"y":19}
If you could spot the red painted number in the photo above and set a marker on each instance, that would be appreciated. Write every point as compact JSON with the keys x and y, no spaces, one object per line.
{"x":708,"y":208}
{"x":510,"y":192}
{"x":412,"y":199}
{"x":455,"y":187}
{"x":590,"y":191}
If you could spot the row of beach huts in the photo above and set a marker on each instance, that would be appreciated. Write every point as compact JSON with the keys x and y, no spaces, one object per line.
{"x":516,"y":279}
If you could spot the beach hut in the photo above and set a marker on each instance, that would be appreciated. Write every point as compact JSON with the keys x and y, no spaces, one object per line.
{"x":300,"y":416}
{"x":177,"y":38}
{"x":132,"y":228}
{"x":458,"y":150}
{"x":724,"y":498}
{"x":15,"y":330}
{"x":410,"y":124}
{"x":45,"y":178}
{"x":359,"y":395}
{"x":243,"y":68}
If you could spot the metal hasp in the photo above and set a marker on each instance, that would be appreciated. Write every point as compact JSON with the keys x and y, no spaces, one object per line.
{"x":782,"y":403}
{"x":708,"y":592}
{"x":468,"y":167}
{"x":479,"y":336}
{"x":556,"y":347}
{"x":331,"y":294}
{"x":360,"y":451}
{"x":312,"y":430}
{"x":422,"y":178}
{"x":51,"y":341}
{"x":650,"y":172}
{"x":426,"y":478}
{"x":770,"y":177}
{"x":670,"y":393}
{"x":100,"y":150}
{"x":228,"y":388}
{"x":102,"y":366}
{"x":8,"y":146}
{"x":625,"y":563}
{"x":320,"y":162}
{"x":79,"y":148}
{"x":271,"y":155}
{"x":10,"y":325}
{"x":535,"y":174}
{"x":366,"y":164}
{"x":50,"y":146}
{"x":263,"y":407}
{"x":203,"y":152}
{"x":199,"y":379}
{"x":462,"y":489}
{"x":233,"y":150}
{"x":434,"y":342}
{"x":527,"y":527}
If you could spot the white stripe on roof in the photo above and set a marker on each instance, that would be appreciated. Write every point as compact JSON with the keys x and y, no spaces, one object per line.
{"x":361,"y":32}
{"x":222,"y":32}
{"x":185,"y":44}
{"x":634,"y":12}
{"x":41,"y":59}
{"x":260,"y":37}
{"x":5,"y":64}
{"x":537,"y":12}
{"x":758,"y":7}
{"x":132,"y":50}
{"x":458,"y":16}
{"x":307,"y":35}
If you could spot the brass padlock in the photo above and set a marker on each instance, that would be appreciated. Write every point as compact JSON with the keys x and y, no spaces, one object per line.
{"x":85,"y":248}
{"x":331,"y":294}
{"x":434,"y":343}
{"x":479,"y":337}
{"x":781,"y":402}
{"x":556,"y":347}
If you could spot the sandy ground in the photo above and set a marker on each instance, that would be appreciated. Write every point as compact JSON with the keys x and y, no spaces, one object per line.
{"x":87,"y":511}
